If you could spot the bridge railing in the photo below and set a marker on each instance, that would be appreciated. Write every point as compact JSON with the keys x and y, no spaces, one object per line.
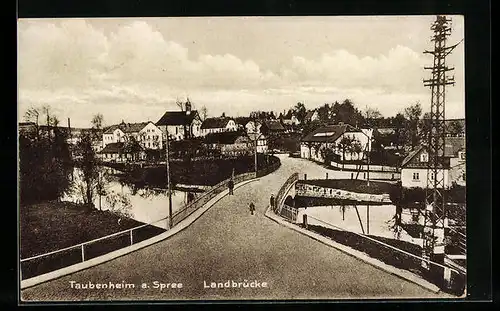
{"x":190,"y":208}
{"x":281,"y":196}
{"x":409,"y":259}
{"x":61,"y":258}
{"x":289,"y":212}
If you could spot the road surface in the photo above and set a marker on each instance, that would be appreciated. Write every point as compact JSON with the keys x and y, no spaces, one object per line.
{"x":227,"y":243}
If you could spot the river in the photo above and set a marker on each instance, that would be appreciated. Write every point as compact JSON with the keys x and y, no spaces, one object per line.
{"x":146,"y":205}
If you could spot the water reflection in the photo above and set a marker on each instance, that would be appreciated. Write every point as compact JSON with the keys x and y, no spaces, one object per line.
{"x":147,"y":204}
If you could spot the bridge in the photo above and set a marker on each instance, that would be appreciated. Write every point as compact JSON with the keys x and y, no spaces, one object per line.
{"x":228,"y":244}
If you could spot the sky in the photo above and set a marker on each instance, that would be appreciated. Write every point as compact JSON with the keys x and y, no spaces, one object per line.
{"x":135,"y":69}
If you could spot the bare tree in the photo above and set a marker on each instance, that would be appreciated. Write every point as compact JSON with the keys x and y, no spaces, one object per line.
{"x":372,"y":113}
{"x":32,"y":115}
{"x":180,"y":104}
{"x":203,"y":113}
{"x":97,"y":121}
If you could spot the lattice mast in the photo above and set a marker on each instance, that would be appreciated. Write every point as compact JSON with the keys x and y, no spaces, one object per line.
{"x":435,"y":201}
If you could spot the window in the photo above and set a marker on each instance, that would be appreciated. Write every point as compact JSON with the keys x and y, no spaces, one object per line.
{"x":424,"y":157}
{"x":462,"y":156}
{"x":463,"y":176}
{"x":416,"y":176}
{"x":432,"y":176}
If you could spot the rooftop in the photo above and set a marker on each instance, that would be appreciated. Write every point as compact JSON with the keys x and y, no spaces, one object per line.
{"x":225,"y":138}
{"x":325,"y":133}
{"x":126,"y":127}
{"x":218,"y":122}
{"x":177,"y":118}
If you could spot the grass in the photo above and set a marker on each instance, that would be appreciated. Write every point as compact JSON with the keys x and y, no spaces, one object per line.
{"x":390,"y":256}
{"x":53,"y":225}
{"x":354,"y":185}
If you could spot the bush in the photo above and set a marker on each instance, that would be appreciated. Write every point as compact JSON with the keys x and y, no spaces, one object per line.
{"x":45,"y":166}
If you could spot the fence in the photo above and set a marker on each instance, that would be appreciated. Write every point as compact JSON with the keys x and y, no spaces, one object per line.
{"x":280,"y":197}
{"x":44,"y":263}
{"x":271,"y":168}
{"x":289,"y":213}
{"x":364,"y":167}
{"x":392,"y":254}
{"x":181,"y":214}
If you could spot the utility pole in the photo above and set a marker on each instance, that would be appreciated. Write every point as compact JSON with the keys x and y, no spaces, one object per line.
{"x":256,"y":138}
{"x":435,"y":201}
{"x":169,"y":184}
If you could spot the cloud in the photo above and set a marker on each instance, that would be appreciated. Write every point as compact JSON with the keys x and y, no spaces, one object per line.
{"x":78,"y":68}
{"x":400,"y":70}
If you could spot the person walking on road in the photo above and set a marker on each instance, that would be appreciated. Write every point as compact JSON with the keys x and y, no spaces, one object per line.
{"x":230,"y":185}
{"x":252,"y":208}
{"x":272,"y":201}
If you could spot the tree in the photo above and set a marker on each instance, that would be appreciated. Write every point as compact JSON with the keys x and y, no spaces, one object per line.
{"x":133,"y":147}
{"x":326,"y":154}
{"x":45,"y":163}
{"x":180,"y":104}
{"x":425,"y":127}
{"x":373,"y":113}
{"x":300,"y":111}
{"x":456,"y":128}
{"x":413,"y":114}
{"x":356,"y":148}
{"x":324,"y":113}
{"x":399,"y":130}
{"x":346,"y":113}
{"x":32,"y":115}
{"x":88,"y":174}
{"x":344,"y":145}
{"x":97,"y":121}
{"x":203,"y":113}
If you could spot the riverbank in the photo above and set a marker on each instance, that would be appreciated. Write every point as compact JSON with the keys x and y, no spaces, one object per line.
{"x":355,"y":185}
{"x":52,"y":225}
{"x":200,"y":172}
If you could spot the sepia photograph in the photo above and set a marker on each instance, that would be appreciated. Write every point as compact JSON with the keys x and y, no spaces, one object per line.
{"x":244,"y":158}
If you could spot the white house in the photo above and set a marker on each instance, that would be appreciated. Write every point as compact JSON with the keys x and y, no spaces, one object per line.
{"x":115,"y":152}
{"x":147,"y":134}
{"x":455,"y":150}
{"x":180,"y":124}
{"x":330,"y":137}
{"x":262,"y":146}
{"x":151,"y":137}
{"x":230,"y":143}
{"x":218,"y":125}
{"x":291,"y":121}
{"x":113,"y":134}
{"x":253,"y":126}
{"x":414,"y":170}
{"x":311,"y":116}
